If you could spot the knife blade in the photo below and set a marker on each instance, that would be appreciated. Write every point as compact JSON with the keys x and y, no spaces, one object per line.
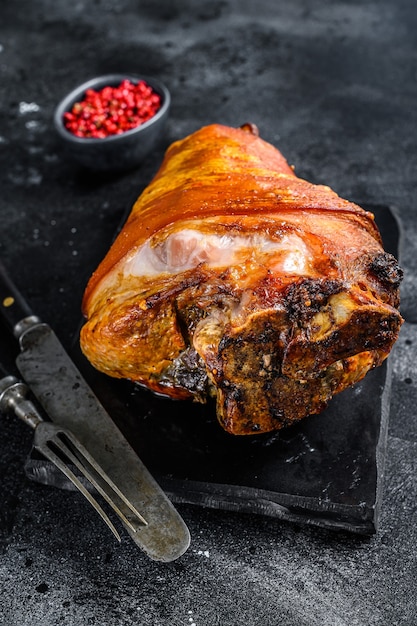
{"x":68,"y":400}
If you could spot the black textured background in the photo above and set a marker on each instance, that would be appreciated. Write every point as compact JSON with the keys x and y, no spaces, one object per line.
{"x":333,"y":84}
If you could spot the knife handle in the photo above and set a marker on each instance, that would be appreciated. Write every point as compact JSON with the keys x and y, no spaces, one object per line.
{"x":13,"y":307}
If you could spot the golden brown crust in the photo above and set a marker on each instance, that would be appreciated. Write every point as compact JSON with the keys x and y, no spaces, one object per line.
{"x":307,"y":305}
{"x":220,"y":171}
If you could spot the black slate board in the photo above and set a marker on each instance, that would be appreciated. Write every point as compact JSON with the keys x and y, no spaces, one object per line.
{"x":326,"y":470}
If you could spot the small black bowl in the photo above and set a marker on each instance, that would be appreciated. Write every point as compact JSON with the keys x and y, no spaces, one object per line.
{"x":116,"y":152}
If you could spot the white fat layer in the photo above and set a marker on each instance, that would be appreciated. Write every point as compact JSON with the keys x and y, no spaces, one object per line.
{"x":185,"y":250}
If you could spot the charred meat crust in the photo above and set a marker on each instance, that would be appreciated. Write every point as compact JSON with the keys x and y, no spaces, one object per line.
{"x":386,"y":268}
{"x":307,"y":296}
{"x":278,"y":367}
{"x":187,"y":372}
{"x":255,"y":395}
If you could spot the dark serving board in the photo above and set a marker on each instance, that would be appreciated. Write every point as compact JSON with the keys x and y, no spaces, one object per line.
{"x":327,"y":470}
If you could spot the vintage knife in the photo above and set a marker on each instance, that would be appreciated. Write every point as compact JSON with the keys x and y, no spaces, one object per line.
{"x":69,"y":402}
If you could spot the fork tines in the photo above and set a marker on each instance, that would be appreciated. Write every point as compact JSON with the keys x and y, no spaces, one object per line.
{"x":59,"y":445}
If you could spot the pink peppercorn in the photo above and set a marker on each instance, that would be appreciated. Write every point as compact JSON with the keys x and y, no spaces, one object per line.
{"x":112,"y":110}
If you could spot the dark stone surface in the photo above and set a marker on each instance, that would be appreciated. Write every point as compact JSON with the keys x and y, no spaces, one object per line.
{"x":334,"y":86}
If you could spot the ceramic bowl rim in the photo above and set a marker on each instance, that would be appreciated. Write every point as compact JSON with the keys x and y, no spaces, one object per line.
{"x":99,"y":82}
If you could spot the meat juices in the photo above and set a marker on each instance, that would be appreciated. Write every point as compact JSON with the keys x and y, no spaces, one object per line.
{"x":235,"y":279}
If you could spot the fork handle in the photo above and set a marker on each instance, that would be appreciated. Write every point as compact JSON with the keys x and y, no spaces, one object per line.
{"x":13,"y":397}
{"x":13,"y":307}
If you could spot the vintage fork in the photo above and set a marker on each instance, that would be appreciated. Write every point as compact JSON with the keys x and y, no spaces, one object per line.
{"x":61,"y":447}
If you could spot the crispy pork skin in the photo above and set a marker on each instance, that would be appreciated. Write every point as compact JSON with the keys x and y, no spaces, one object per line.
{"x":235,"y":279}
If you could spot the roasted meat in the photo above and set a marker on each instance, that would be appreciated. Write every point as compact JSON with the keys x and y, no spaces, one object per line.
{"x":235,"y":279}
